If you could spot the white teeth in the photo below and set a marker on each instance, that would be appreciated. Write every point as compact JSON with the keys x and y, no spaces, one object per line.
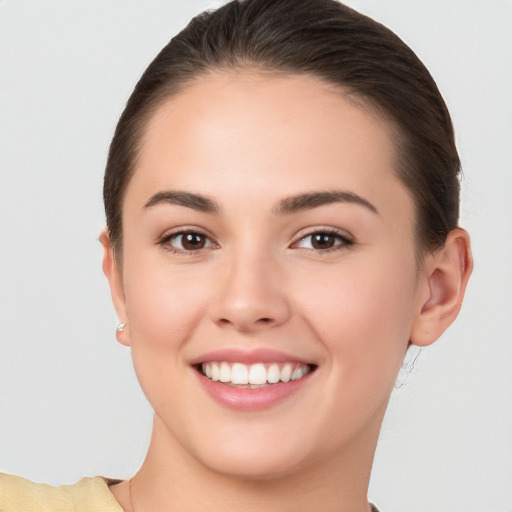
{"x":273,"y":373}
{"x":214,"y":370}
{"x":297,"y":373}
{"x":239,"y":374}
{"x":286,"y":373}
{"x":259,"y":374}
{"x":225,"y":372}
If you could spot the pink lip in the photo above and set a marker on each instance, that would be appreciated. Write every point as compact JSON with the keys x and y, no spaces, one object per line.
{"x":259,"y":355}
{"x":246,"y":399}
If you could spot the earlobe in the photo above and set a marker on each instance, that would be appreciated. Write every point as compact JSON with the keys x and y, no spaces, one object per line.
{"x":448,"y":272}
{"x":115,"y":281}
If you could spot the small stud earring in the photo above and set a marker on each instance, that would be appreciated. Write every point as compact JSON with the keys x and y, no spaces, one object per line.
{"x":120,"y":327}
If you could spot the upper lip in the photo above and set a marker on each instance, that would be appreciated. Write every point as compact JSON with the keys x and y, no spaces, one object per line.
{"x":258,"y":355}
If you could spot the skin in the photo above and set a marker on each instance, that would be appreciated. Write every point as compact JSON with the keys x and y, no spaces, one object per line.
{"x":248,"y":141}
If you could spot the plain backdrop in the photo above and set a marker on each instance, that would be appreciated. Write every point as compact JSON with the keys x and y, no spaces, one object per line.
{"x":69,"y":402}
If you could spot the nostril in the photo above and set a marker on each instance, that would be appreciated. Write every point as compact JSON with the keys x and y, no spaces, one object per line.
{"x":264,"y":320}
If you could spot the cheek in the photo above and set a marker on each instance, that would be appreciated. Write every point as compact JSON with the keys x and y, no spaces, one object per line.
{"x":363,"y":314}
{"x":163,"y":306}
{"x":164,"y":310}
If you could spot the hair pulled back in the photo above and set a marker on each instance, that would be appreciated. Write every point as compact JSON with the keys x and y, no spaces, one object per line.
{"x":328,"y":40}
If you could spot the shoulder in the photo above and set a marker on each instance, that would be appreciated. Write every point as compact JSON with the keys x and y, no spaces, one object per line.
{"x":18,"y":494}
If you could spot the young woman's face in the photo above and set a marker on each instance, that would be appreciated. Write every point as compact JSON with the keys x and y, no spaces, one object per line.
{"x":269,"y":244}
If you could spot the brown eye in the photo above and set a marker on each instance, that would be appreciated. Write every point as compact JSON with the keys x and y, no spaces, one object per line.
{"x":192,"y":241}
{"x":323,"y":241}
{"x":188,"y":241}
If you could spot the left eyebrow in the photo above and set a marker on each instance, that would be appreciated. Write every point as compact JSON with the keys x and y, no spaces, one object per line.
{"x":312,"y":200}
{"x":187,"y":199}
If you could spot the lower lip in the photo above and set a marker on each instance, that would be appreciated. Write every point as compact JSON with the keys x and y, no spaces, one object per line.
{"x":246,"y":399}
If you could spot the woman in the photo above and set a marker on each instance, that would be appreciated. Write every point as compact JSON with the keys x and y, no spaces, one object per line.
{"x":282,"y":204}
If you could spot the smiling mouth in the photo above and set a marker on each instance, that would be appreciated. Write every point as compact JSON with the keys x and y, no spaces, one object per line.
{"x":253,"y":376}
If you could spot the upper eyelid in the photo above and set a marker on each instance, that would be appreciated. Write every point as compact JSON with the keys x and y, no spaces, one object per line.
{"x":165,"y":242}
{"x":303,"y":233}
{"x":186,"y":229}
{"x":346,"y":240}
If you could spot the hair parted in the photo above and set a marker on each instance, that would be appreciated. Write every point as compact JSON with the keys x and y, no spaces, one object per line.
{"x":327,"y":40}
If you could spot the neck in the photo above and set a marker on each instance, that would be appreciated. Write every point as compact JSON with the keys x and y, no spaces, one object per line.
{"x":171,"y":479}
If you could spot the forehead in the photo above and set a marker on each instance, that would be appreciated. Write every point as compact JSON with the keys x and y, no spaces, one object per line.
{"x":239,"y":132}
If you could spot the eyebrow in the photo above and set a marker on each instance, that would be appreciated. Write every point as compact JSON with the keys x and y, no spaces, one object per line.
{"x":187,"y":199}
{"x":286,"y":206}
{"x":312,"y":200}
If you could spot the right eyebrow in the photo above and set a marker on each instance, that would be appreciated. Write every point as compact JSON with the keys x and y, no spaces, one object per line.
{"x":195,"y":201}
{"x":312,"y":200}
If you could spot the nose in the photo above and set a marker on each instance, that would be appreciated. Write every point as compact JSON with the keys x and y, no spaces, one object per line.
{"x":251,"y":296}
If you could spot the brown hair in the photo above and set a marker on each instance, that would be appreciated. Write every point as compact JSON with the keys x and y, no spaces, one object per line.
{"x":328,"y":40}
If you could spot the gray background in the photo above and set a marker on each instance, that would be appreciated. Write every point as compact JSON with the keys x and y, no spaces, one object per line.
{"x":69,"y":402}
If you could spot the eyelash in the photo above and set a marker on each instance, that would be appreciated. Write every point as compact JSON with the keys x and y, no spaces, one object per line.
{"x":343,"y":238}
{"x":165,"y":241}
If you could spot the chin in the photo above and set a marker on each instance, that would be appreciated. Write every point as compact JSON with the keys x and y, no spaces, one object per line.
{"x":264,"y":467}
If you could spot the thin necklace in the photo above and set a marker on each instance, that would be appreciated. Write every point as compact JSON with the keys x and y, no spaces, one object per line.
{"x":130,"y":489}
{"x":373,"y":508}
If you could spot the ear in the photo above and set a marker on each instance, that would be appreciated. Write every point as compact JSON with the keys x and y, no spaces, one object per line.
{"x":447,"y":274}
{"x":115,"y":281}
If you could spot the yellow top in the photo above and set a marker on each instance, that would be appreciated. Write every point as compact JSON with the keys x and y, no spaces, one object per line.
{"x":88,"y":495}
